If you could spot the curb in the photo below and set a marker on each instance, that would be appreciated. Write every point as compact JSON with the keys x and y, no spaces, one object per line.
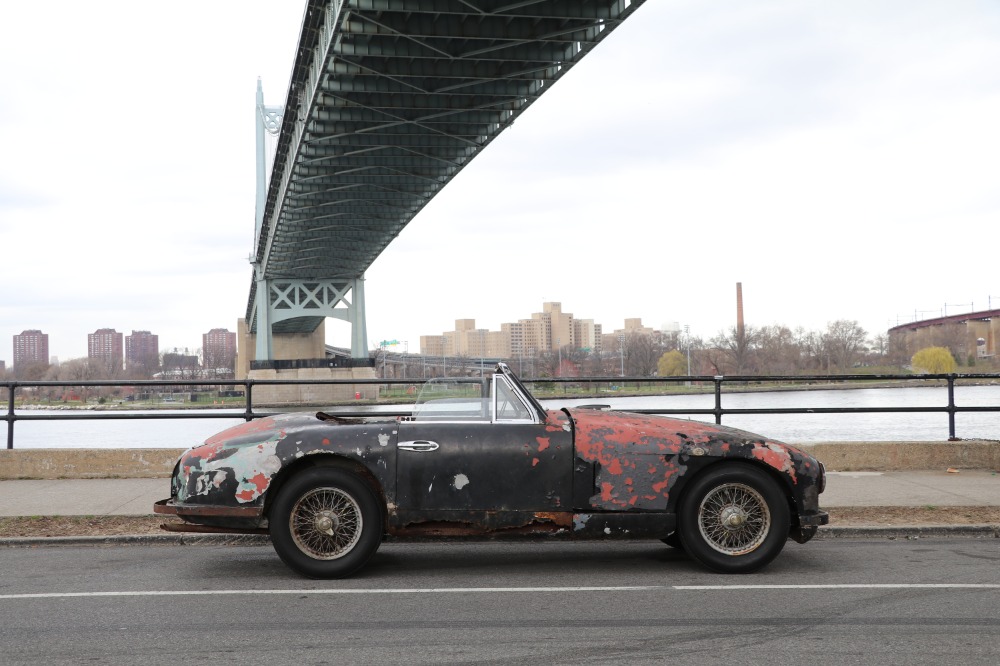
{"x":890,"y":532}
{"x":140,"y":540}
{"x":910,"y":532}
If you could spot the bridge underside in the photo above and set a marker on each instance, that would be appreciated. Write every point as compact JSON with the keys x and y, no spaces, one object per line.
{"x":389,"y":100}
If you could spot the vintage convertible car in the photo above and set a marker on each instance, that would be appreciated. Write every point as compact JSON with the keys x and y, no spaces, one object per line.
{"x":481,"y":457}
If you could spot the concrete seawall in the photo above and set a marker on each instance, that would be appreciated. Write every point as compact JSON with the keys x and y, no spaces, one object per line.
{"x":837,"y":456}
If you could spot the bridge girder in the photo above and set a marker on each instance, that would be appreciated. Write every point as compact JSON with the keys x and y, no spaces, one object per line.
{"x":388,"y":101}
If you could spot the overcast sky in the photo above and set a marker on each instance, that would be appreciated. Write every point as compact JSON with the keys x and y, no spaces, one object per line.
{"x":840,"y":159}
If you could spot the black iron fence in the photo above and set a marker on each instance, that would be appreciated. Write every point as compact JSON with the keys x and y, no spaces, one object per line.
{"x":698,"y":384}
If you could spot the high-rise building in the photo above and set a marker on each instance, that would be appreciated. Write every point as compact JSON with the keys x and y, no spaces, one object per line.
{"x":548,"y":330}
{"x":218,"y":349}
{"x":142,"y":351}
{"x":31,"y":346}
{"x":588,"y":335}
{"x":106,"y":346}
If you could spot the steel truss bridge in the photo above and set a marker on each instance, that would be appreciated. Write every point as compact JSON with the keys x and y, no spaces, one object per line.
{"x":388,"y":101}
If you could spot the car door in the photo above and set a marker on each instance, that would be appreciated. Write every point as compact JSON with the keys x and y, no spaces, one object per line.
{"x":460,"y":466}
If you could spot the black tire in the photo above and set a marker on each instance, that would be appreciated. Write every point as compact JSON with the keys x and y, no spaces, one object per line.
{"x":673,"y":540}
{"x":734,"y":519}
{"x":326,"y":523}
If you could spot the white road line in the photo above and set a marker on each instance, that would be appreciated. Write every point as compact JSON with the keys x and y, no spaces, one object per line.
{"x":847,"y":586}
{"x":496,"y":590}
{"x":401,"y":590}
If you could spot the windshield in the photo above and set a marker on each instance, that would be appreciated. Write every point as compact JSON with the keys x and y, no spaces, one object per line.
{"x":448,"y":399}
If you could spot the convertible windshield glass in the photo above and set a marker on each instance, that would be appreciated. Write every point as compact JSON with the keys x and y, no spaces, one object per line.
{"x":453,"y":399}
{"x":509,"y":406}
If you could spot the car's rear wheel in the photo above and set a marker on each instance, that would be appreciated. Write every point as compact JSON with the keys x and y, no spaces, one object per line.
{"x":734,"y":519}
{"x":326,"y":523}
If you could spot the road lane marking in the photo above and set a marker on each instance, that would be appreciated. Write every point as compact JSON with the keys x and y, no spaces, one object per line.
{"x":496,"y":590}
{"x":399,"y":590}
{"x":847,"y":586}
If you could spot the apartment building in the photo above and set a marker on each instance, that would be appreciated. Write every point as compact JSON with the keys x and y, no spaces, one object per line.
{"x":31,"y":346}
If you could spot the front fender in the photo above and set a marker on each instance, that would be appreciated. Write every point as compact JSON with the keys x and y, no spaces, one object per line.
{"x":641,"y":463}
{"x":238,"y":466}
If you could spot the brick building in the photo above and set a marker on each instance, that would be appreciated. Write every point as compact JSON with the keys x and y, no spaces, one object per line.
{"x":106,"y":346}
{"x":31,"y":346}
{"x":218,"y":350}
{"x":142,"y":351}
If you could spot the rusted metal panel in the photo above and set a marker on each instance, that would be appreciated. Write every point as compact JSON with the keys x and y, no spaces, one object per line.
{"x":480,"y":523}
{"x":486,"y":467}
{"x":637,"y":461}
{"x":169,"y":508}
{"x":236,"y":467}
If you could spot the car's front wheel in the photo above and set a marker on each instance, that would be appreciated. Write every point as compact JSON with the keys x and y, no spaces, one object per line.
{"x":326,"y":523}
{"x":734,"y":519}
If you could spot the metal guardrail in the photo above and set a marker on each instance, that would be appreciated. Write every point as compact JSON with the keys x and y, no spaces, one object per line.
{"x":717,"y":382}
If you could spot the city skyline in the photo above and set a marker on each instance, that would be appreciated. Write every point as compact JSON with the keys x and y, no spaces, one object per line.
{"x":108,"y":344}
{"x":819,"y":153}
{"x":226,"y":338}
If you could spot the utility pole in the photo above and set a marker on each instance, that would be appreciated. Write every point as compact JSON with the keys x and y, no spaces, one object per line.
{"x":621,"y":348}
{"x":687,"y":342}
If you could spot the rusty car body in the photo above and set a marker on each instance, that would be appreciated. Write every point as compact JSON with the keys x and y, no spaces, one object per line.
{"x":482,"y":457}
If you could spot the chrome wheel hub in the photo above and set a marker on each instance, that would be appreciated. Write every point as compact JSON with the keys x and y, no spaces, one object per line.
{"x":734,"y":519}
{"x":326,"y":523}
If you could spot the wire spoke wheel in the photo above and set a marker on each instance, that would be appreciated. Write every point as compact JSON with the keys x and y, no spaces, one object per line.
{"x":734,"y":519}
{"x":326,"y":523}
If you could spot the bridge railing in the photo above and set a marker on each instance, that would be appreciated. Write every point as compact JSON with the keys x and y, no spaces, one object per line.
{"x":694,"y":384}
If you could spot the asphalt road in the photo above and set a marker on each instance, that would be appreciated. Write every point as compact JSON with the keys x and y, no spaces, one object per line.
{"x":892,"y":602}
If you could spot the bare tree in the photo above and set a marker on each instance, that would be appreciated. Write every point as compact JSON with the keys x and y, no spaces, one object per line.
{"x":845,"y":342}
{"x":778,"y":352}
{"x":641,"y":355}
{"x":737,"y":347}
{"x":878,"y":349}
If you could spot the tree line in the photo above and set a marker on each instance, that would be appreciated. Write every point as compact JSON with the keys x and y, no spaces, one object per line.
{"x":843,"y":347}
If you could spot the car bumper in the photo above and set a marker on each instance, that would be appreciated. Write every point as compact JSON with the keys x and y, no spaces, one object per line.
{"x":211,"y":517}
{"x":808,"y":524}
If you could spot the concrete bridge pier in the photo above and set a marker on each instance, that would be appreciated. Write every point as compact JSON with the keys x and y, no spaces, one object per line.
{"x":301,"y":356}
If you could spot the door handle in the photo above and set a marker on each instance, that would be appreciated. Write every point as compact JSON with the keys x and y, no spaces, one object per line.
{"x":418,"y":445}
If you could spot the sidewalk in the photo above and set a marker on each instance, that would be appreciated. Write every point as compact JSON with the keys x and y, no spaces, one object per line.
{"x":135,"y":497}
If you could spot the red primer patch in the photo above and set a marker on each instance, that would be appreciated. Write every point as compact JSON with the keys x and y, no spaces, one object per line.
{"x":777,"y":458}
{"x":606,"y":492}
{"x":261,"y":482}
{"x":247,"y":428}
{"x":534,"y":461}
{"x":543,"y":443}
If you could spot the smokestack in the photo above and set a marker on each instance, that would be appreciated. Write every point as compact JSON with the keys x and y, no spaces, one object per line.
{"x":739,"y":310}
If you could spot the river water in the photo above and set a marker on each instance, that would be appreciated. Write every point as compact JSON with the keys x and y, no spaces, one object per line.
{"x":793,"y":428}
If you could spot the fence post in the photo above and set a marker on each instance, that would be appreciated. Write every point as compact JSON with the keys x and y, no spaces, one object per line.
{"x":718,"y":399}
{"x":247,"y":386}
{"x":951,"y":409}
{"x":10,"y":416}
